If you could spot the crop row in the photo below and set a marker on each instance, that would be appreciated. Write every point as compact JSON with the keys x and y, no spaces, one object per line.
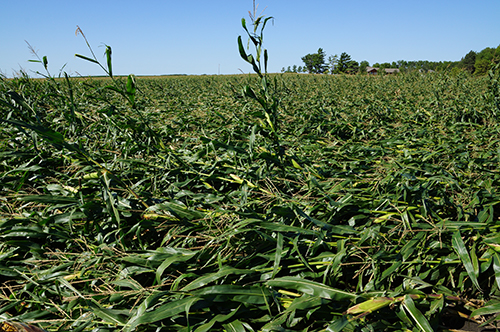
{"x":149,"y":203}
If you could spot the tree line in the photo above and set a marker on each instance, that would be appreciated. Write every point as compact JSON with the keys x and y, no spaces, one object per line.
{"x":477,"y":63}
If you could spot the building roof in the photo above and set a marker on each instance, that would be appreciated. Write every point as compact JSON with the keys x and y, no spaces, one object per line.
{"x":387,"y":70}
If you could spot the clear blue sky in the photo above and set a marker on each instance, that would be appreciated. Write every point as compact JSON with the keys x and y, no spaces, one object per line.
{"x":196,"y":36}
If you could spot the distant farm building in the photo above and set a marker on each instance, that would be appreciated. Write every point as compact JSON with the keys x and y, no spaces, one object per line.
{"x":374,"y":70}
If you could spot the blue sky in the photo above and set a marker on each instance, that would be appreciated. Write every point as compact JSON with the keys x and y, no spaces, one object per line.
{"x":199,"y":37}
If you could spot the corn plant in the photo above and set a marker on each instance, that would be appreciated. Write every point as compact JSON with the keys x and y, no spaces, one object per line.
{"x":264,"y":93}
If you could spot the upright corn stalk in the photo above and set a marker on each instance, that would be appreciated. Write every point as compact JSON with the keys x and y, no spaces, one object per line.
{"x":264,"y":93}
{"x":494,"y":88}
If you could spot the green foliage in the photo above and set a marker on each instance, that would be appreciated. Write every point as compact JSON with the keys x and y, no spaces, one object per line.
{"x":482,"y":66}
{"x":315,"y":62}
{"x":485,"y":59}
{"x":264,"y":93}
{"x":332,"y":62}
{"x":363,"y":65}
{"x":469,"y":61}
{"x":345,"y":64}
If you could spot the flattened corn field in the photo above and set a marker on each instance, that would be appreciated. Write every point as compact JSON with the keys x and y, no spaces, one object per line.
{"x":178,"y":204}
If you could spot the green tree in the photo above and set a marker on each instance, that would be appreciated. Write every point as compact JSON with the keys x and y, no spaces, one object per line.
{"x":342,"y":63}
{"x":488,"y":53}
{"x":352,"y":67}
{"x":315,"y":63}
{"x":402,"y":64}
{"x":385,"y":65}
{"x":345,"y":64}
{"x":332,"y":62}
{"x":485,"y":59}
{"x":468,"y":62}
{"x":362,"y":66}
{"x":482,"y":66}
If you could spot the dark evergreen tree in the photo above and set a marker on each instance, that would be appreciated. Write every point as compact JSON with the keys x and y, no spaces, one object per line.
{"x":345,"y":64}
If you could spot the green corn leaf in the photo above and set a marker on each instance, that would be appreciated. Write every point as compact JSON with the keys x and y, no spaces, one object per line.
{"x":48,"y":199}
{"x":115,"y":89}
{"x":71,"y":96}
{"x":488,"y":310}
{"x":69,"y":286}
{"x":256,"y":68}
{"x":250,"y":59}
{"x":19,"y":99}
{"x":131,"y":89}
{"x":437,"y":305}
{"x":338,"y":325}
{"x":108,"y":58}
{"x":370,"y":305}
{"x":493,"y":242}
{"x":286,"y":228}
{"x":265,"y":22}
{"x":296,"y":165}
{"x":496,"y":268}
{"x":256,"y":23}
{"x":234,"y":326}
{"x":277,"y":254}
{"x":393,"y":268}
{"x":108,"y":316}
{"x":231,"y":290}
{"x":474,"y":260}
{"x":220,"y":318}
{"x":169,"y":261}
{"x":244,"y":24}
{"x":418,"y":317}
{"x":266,"y":57}
{"x":180,"y":211}
{"x":163,"y":312}
{"x":110,"y":200}
{"x":269,"y":122}
{"x":53,"y":137}
{"x":276,"y":324}
{"x":251,"y":141}
{"x":187,"y":308}
{"x":318,"y":223}
{"x":241,"y":48}
{"x":148,"y":303}
{"x":306,"y":302}
{"x":248,"y":91}
{"x":208,"y":278}
{"x":302,"y":259}
{"x":311,"y":288}
{"x":86,"y":58}
{"x":459,"y":246}
{"x":45,"y":62}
